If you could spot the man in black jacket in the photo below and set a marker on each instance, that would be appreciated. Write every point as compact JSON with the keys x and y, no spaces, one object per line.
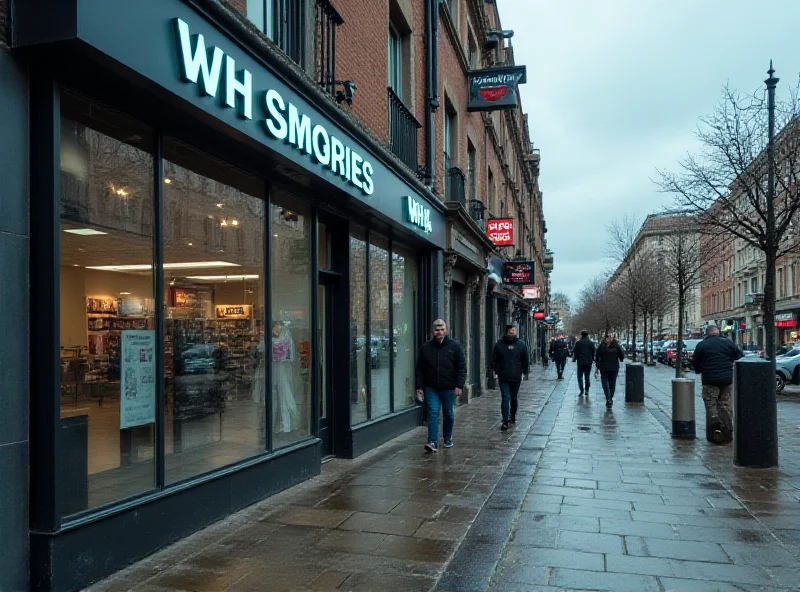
{"x":559,"y":354}
{"x":510,"y":361}
{"x":583,"y":354}
{"x":713,"y":358}
{"x":441,"y":374}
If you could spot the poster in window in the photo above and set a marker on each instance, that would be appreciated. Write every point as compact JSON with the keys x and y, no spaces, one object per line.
{"x":137,"y":379}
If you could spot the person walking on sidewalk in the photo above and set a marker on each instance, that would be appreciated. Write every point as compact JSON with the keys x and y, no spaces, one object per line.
{"x":509,"y":362}
{"x":559,"y":354}
{"x":440,"y":375}
{"x":583,"y":353}
{"x":713,"y":358}
{"x":609,"y":355}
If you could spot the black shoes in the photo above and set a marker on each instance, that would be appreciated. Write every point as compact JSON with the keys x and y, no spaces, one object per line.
{"x":504,"y":426}
{"x":580,"y":393}
{"x":609,"y":403}
{"x":513,"y":419}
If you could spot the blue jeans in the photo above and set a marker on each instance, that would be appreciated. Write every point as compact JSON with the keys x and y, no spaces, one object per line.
{"x":508,"y":400}
{"x":436,"y":400}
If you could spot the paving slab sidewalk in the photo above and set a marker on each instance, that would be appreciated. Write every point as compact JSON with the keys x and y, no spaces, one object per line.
{"x":387,"y":521}
{"x":616,"y":504}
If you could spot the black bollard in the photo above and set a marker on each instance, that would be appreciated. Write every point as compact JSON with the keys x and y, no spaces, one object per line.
{"x":756,"y":415}
{"x":634,"y":383}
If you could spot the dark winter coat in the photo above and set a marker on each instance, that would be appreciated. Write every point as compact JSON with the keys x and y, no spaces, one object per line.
{"x":559,"y":351}
{"x":441,"y":366}
{"x":584,"y":352}
{"x":510,"y":359}
{"x":713,"y":358}
{"x":609,"y":356}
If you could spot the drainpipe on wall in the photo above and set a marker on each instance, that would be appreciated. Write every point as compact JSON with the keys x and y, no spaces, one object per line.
{"x":431,"y":85}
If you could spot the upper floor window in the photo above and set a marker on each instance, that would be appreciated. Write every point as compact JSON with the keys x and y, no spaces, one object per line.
{"x":395,"y":69}
{"x":472,"y":51}
{"x":471,"y":170}
{"x":285,"y":22}
{"x":491,"y":191}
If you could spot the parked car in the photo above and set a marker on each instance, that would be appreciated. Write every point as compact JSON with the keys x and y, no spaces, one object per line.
{"x":787,"y":369}
{"x":662,"y":350}
{"x":688,"y":351}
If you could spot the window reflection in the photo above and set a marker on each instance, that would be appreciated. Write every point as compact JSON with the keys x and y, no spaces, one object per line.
{"x":358,"y":326}
{"x":107,"y":385}
{"x":214,"y":326}
{"x":291,"y":318}
{"x":404,"y":298}
{"x":381,"y":348}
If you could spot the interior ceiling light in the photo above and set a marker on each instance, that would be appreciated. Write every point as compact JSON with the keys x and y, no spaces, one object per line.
{"x":220,"y":205}
{"x":122,"y":192}
{"x":232,"y":278}
{"x":147,"y":266}
{"x":124,"y":293}
{"x":235,"y":222}
{"x":224,"y":222}
{"x":167,"y":181}
{"x":84,"y":231}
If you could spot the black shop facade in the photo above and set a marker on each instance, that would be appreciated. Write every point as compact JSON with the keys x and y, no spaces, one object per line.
{"x":229,"y":280}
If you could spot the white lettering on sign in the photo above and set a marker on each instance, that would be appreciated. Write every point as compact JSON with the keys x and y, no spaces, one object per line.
{"x":284,"y":120}
{"x":501,"y":231}
{"x":419,"y":215}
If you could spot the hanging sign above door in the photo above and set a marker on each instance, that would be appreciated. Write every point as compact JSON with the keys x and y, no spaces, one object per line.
{"x":495,"y":88}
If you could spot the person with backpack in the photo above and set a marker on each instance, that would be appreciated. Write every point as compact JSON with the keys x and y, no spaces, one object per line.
{"x":713,"y":359}
{"x":559,"y":352}
{"x":510,"y":362}
{"x":583,"y":354}
{"x":607,"y":359}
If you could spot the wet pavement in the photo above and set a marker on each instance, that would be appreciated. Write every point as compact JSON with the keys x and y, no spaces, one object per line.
{"x":575,"y":497}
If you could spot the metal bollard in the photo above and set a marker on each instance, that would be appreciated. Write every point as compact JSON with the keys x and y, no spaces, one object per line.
{"x":755,"y":433}
{"x":683,"y":424}
{"x":634,"y":383}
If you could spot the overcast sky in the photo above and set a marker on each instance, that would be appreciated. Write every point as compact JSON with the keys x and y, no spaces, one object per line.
{"x":615,"y":89}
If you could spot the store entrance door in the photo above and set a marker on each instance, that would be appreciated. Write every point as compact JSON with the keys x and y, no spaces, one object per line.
{"x":326,"y":340}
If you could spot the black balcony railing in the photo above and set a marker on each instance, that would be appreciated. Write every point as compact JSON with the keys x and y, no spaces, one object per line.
{"x":454,"y":183}
{"x":403,"y":131}
{"x":327,"y":20}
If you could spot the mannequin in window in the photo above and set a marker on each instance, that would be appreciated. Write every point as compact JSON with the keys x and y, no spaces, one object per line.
{"x":283,"y":374}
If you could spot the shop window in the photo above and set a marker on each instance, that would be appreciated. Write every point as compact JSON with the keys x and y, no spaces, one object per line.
{"x":381,"y":349}
{"x":107,"y":339}
{"x":214,"y":313}
{"x":358,"y":326}
{"x":404,"y":298}
{"x":290,"y":328}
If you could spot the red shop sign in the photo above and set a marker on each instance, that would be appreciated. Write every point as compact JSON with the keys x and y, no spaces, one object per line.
{"x":786,"y":324}
{"x":501,"y":231}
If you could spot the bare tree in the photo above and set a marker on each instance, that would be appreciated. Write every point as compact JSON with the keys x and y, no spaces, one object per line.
{"x":629,"y":281}
{"x":682,"y":262}
{"x":654,"y":298}
{"x":599,"y":310}
{"x":741,"y":183}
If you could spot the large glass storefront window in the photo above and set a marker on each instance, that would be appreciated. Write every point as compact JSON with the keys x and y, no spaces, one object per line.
{"x":381,"y":350}
{"x":214,"y":313}
{"x":107,"y":338}
{"x":358,"y":326}
{"x":290,"y":327}
{"x":404,"y":298}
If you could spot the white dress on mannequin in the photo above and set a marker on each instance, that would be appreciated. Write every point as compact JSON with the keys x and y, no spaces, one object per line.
{"x":283,"y":375}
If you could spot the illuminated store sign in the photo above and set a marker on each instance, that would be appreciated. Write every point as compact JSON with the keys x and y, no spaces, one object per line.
{"x":282,"y":120}
{"x":418,"y":214}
